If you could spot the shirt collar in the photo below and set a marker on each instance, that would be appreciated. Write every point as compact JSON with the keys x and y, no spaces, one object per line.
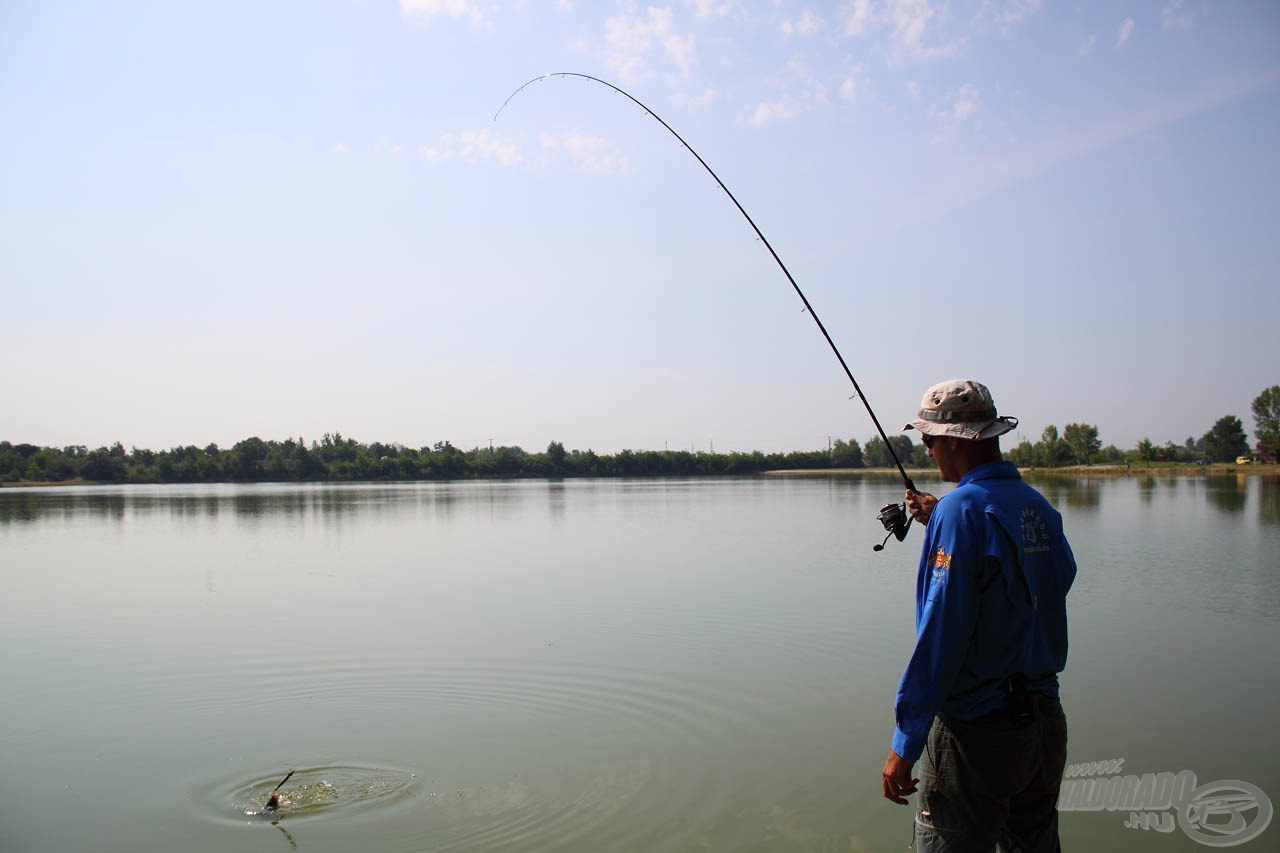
{"x":1002,"y":470}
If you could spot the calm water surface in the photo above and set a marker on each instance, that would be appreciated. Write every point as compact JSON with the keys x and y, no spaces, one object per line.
{"x":587,"y":665}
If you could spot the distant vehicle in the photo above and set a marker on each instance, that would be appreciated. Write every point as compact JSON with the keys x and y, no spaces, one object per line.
{"x":1243,"y":460}
{"x":1202,"y":462}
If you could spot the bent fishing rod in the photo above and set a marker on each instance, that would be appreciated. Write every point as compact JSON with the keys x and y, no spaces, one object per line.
{"x":893,"y":516}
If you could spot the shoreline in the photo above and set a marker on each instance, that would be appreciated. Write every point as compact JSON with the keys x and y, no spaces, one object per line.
{"x":1158,"y":469}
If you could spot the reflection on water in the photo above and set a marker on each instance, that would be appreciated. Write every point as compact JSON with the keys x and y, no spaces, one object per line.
{"x":330,"y":502}
{"x":1226,"y":492}
{"x":1075,"y":492}
{"x":1147,"y":487}
{"x":1269,"y":500}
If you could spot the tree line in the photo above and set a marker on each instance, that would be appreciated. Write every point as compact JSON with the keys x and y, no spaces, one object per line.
{"x":335,"y":458}
{"x":1225,"y":441}
{"x":338,"y":459}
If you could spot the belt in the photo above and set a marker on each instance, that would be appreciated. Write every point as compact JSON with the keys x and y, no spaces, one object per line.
{"x":1020,"y":711}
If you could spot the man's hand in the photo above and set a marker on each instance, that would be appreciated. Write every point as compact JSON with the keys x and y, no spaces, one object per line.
{"x":897,"y":779}
{"x":920,"y":505}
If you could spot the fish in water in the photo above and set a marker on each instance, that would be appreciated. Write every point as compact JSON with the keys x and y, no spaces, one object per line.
{"x":272,"y":804}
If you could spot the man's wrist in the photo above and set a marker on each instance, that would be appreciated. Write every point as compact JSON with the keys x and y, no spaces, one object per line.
{"x":903,"y":746}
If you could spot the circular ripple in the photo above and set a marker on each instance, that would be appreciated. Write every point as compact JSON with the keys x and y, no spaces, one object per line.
{"x":315,"y":791}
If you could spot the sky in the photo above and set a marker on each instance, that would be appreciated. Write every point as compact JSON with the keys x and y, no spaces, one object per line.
{"x":221,"y":220}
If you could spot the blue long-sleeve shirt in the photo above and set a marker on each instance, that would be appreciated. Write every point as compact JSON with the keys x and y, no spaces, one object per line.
{"x":991,"y":593}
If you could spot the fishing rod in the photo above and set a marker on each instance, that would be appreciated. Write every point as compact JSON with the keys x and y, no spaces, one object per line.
{"x":893,"y":516}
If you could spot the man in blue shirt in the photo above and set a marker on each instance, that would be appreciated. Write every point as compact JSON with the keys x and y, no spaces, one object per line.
{"x":978,"y":702}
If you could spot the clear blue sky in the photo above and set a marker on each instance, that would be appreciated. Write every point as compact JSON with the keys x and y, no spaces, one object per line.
{"x":279,"y":219}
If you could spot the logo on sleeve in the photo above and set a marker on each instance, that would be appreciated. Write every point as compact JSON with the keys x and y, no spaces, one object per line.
{"x":941,"y":565}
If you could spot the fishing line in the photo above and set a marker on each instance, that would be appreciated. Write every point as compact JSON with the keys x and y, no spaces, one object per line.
{"x":896,"y":523}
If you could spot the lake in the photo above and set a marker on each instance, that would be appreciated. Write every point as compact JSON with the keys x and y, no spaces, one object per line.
{"x":584,"y":665}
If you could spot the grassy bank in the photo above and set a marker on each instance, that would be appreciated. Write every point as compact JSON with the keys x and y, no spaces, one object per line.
{"x":26,"y":484}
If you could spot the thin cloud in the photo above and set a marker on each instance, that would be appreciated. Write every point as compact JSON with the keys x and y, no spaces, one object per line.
{"x":807,"y":24}
{"x":964,"y":102}
{"x":1003,"y":15}
{"x":481,"y":146}
{"x":710,"y":10}
{"x":930,"y":30}
{"x":767,"y":112}
{"x":849,"y":86}
{"x":629,"y":39}
{"x":810,"y":92}
{"x":1086,"y":46}
{"x":425,"y":10}
{"x":594,"y":155}
{"x":853,"y":83}
{"x":999,"y":172}
{"x":474,"y":147}
{"x":857,"y":18}
{"x":339,"y":149}
{"x":1126,"y":30}
{"x":911,"y":21}
{"x":1174,"y":17}
{"x":695,"y":102}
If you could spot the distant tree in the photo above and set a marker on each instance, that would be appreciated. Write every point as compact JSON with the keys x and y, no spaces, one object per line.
{"x":1052,"y":451}
{"x":103,"y":466}
{"x":1023,"y":455}
{"x":1146,"y":450}
{"x":1266,"y":416}
{"x":920,"y":457}
{"x":876,"y":453}
{"x":846,"y":454}
{"x":49,"y":466}
{"x":556,"y":456}
{"x":1226,"y":440}
{"x":246,"y":458}
{"x":1083,"y":441}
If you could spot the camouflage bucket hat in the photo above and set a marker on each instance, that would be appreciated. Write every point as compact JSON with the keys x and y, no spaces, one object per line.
{"x":961,"y":408}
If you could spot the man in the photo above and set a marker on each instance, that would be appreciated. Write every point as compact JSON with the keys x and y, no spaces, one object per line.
{"x":979,"y":697}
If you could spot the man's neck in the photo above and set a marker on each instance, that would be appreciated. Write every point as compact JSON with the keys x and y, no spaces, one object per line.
{"x":976,"y":454}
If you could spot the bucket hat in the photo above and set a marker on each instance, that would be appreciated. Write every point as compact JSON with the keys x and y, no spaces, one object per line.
{"x":961,"y":408}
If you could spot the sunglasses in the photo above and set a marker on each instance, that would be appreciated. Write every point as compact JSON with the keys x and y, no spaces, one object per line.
{"x":927,"y":440}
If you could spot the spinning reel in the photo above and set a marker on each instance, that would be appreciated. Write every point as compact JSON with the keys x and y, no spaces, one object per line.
{"x":895,"y":520}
